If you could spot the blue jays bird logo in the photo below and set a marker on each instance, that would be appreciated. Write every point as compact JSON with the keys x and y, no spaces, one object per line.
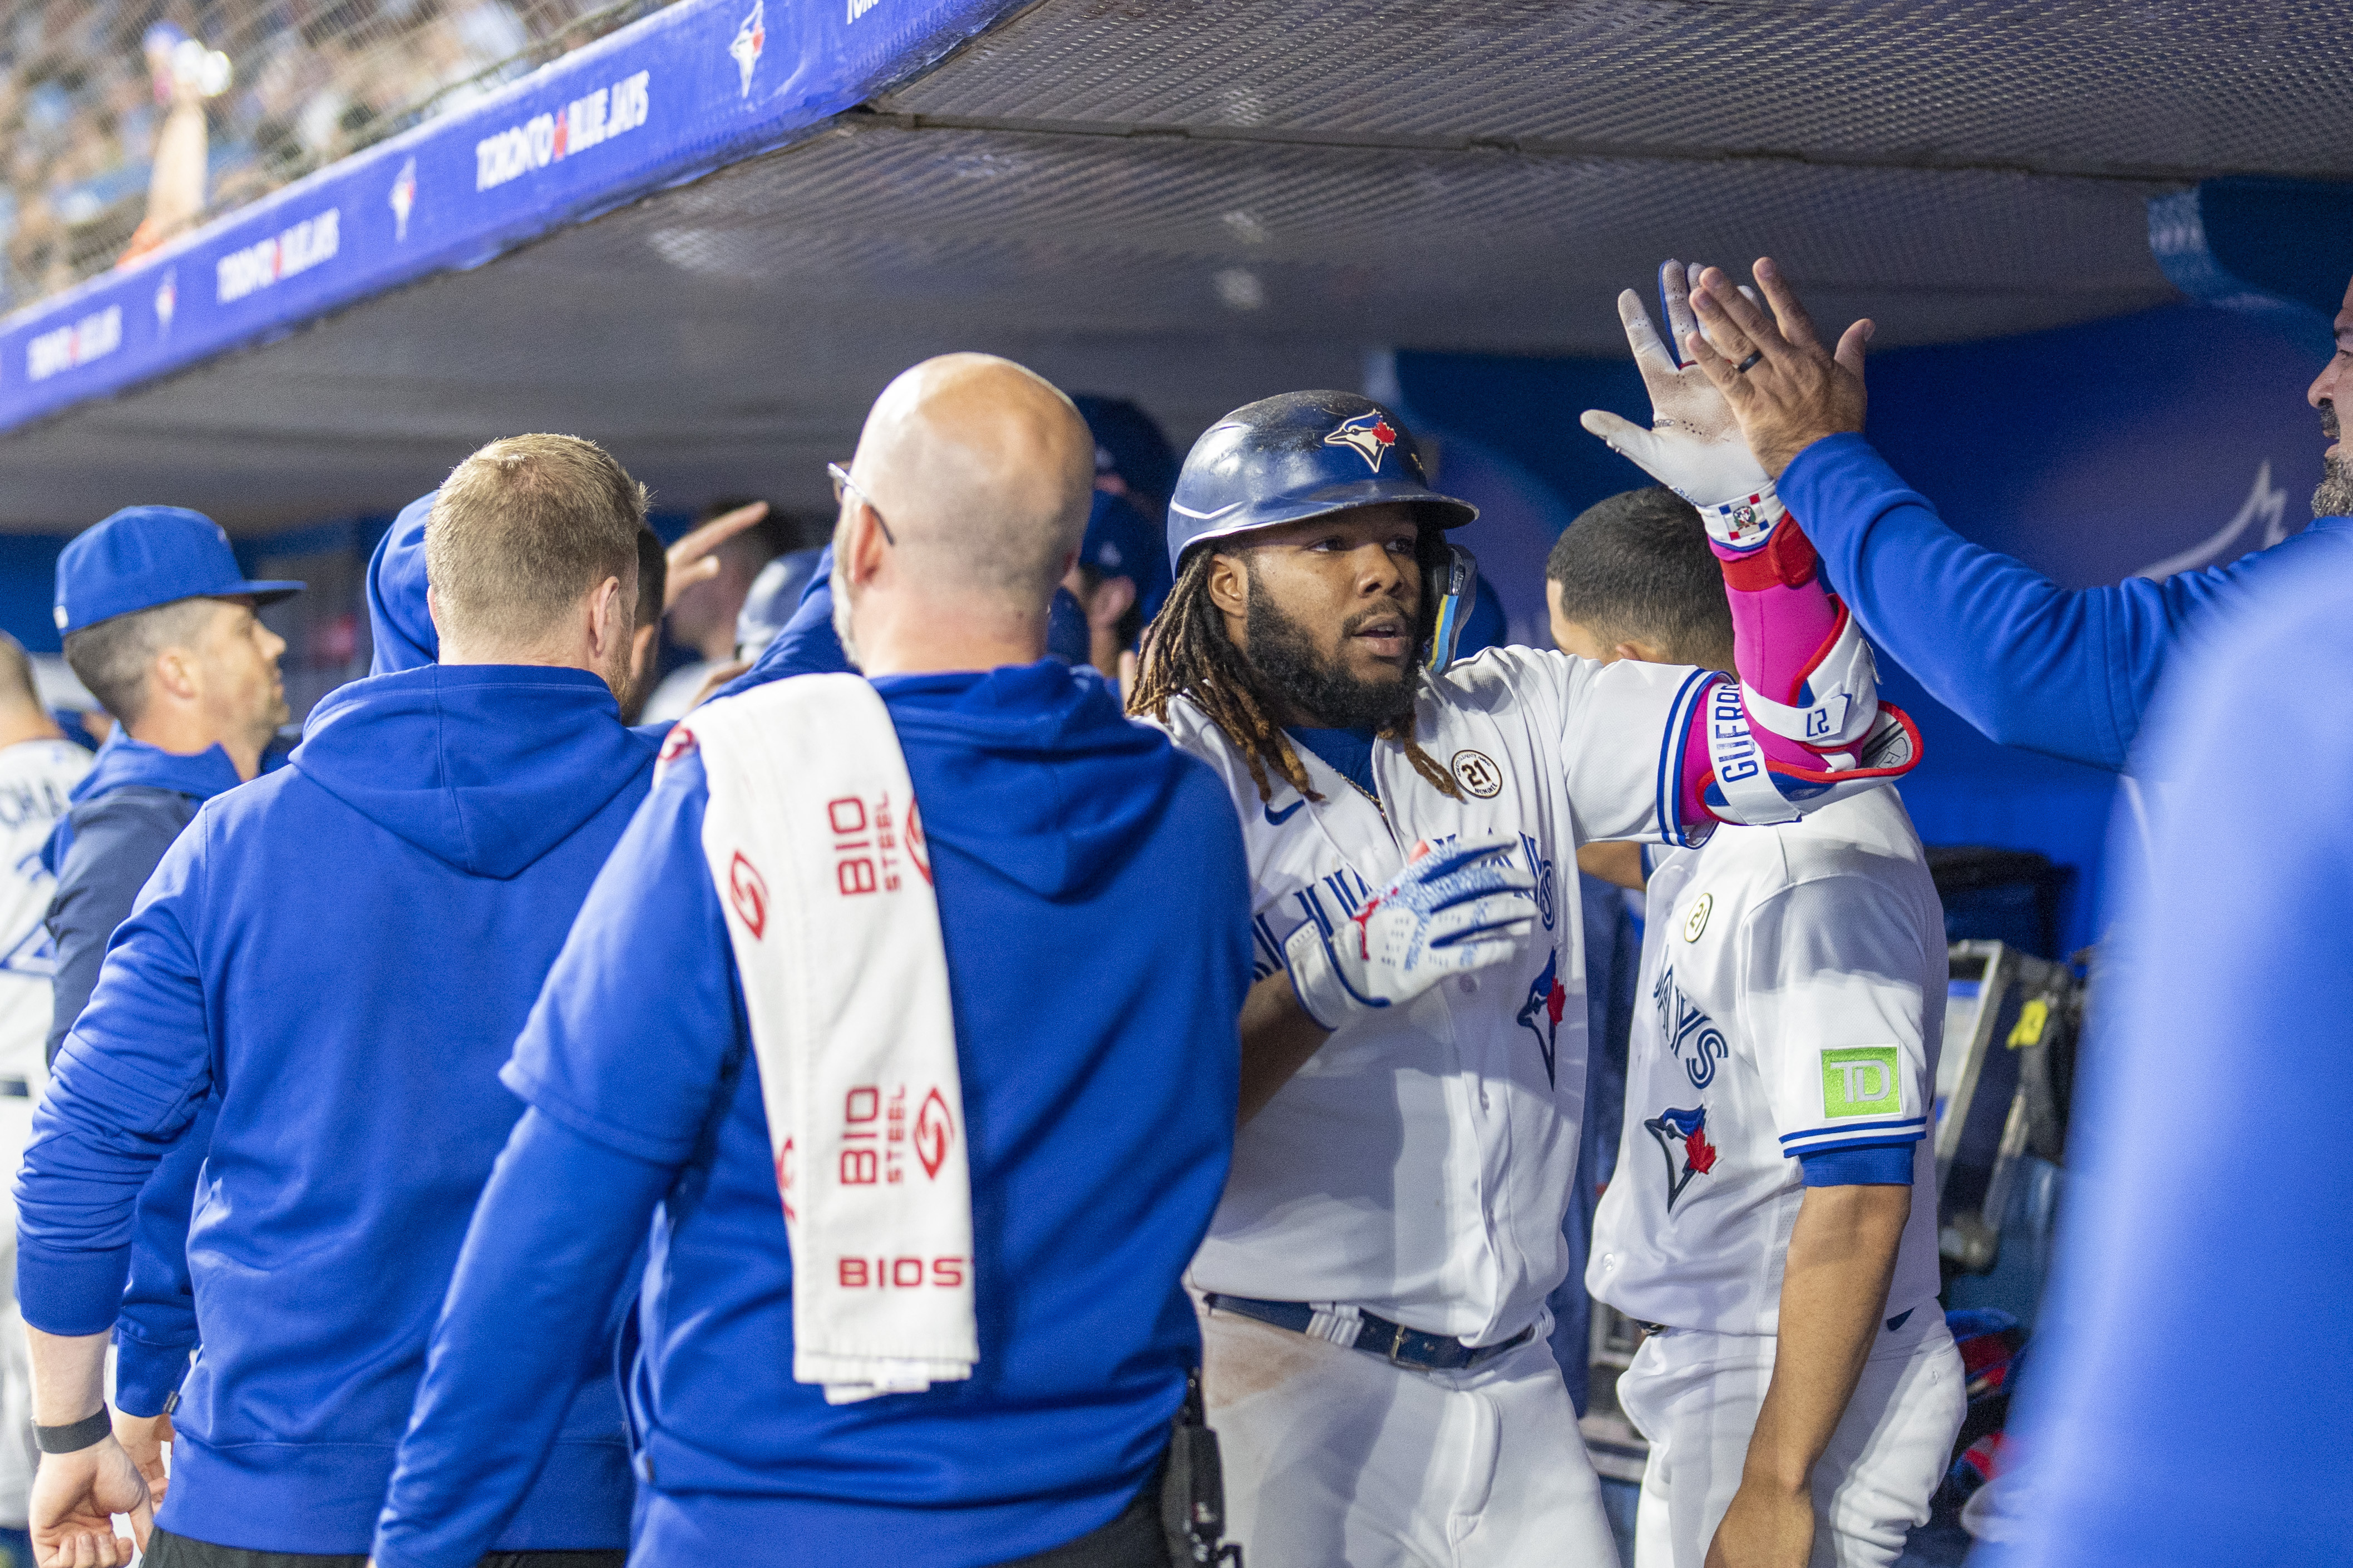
{"x":1369,"y":435}
{"x":751,"y":38}
{"x":1684,"y":1132}
{"x":1540,"y":1014}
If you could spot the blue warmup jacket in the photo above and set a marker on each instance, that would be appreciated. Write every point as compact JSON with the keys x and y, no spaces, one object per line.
{"x":2204,"y":1183}
{"x":335,"y":960}
{"x":1095,"y":906}
{"x":126,"y":812}
{"x":2066,"y":672}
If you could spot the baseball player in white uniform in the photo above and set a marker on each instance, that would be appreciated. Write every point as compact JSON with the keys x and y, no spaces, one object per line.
{"x":39,"y":768}
{"x":1413,"y":1053}
{"x":1773,"y":1218}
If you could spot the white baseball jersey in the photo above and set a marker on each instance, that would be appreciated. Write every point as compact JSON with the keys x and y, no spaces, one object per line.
{"x":1792,"y":1001}
{"x":1421,"y":1163}
{"x":36,"y":776}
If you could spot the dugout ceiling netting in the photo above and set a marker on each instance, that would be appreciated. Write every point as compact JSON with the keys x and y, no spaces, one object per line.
{"x":287,"y":86}
{"x":1195,"y":201}
{"x":2164,"y":88}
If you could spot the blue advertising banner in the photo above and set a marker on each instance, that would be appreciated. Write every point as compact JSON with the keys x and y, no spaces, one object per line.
{"x":694,"y":87}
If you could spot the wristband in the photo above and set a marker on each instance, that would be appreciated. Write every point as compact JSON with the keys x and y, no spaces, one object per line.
{"x":86,"y":1433}
{"x":1744,"y":522}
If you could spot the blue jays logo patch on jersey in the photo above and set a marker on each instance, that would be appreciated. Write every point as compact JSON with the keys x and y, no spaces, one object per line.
{"x":1683,"y":1132}
{"x":1369,"y":435}
{"x":1540,"y":1014}
{"x":1690,"y":1034}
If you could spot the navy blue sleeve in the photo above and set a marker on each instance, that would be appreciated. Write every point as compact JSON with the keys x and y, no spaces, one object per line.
{"x":2066,"y":672}
{"x":807,"y":644}
{"x":2205,"y":1185}
{"x":155,"y":1330}
{"x":1875,"y":1166}
{"x":624,"y":1060}
{"x":116,"y":842}
{"x":524,"y":1322}
{"x":131,"y":1078}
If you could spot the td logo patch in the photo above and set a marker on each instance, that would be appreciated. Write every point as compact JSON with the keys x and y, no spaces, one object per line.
{"x":1860,"y":1080}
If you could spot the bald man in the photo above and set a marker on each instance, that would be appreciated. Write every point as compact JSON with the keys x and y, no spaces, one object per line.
{"x":1093,"y":1104}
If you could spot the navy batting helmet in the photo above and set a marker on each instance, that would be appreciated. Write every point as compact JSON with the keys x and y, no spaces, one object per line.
{"x":1302,"y":455}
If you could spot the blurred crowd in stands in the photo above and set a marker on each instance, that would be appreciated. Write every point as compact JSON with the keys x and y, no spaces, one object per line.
{"x":85,"y":94}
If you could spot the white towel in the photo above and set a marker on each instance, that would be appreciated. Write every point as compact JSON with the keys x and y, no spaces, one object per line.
{"x":817,"y":849}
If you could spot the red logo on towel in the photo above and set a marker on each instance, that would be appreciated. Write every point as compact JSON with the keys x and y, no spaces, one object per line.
{"x":934,"y":1130}
{"x":747,"y":891}
{"x":784,"y":1178}
{"x":677,"y":744}
{"x":919,"y":849}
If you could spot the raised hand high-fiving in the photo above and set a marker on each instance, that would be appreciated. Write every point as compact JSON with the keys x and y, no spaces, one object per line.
{"x":1693,"y":446}
{"x":1786,"y":390}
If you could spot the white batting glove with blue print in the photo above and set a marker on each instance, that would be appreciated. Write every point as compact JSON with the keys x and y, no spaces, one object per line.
{"x":1450,"y":910}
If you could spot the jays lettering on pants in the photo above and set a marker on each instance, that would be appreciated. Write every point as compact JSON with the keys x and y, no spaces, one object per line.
{"x":1695,"y":1397}
{"x":1334,"y":1457}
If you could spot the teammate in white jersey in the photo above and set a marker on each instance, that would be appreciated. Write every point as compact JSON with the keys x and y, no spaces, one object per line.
{"x":39,"y":768}
{"x":1413,"y":1064}
{"x":1772,"y":1216}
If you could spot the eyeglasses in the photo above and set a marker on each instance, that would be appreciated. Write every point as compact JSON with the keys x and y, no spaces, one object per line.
{"x":842,"y":481}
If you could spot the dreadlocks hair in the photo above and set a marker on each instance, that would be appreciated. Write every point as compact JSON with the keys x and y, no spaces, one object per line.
{"x":1186,"y":652}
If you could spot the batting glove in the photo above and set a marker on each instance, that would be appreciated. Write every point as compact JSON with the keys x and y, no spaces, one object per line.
{"x":1450,"y":910}
{"x":1693,"y":446}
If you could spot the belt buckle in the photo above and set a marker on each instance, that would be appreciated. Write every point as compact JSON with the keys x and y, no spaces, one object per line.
{"x":1398,"y":1333}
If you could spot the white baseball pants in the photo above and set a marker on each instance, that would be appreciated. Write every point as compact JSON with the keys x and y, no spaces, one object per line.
{"x":1695,"y":1397}
{"x":1336,"y":1459}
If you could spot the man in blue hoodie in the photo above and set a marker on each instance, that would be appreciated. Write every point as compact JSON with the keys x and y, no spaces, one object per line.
{"x":1098,"y":1096}
{"x":2066,"y":672}
{"x":160,"y":627}
{"x":334,"y":961}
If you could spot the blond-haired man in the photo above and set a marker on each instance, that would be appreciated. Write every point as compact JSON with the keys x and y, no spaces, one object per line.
{"x":334,"y":961}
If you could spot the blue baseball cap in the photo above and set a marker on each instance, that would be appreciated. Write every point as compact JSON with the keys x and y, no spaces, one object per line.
{"x":143,"y":556}
{"x":1129,"y":442}
{"x":1120,"y":543}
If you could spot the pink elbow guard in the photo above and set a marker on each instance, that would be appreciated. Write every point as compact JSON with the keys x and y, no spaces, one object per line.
{"x":1805,"y":726}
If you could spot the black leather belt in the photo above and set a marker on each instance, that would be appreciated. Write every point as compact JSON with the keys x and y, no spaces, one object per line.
{"x":1376,"y":1335}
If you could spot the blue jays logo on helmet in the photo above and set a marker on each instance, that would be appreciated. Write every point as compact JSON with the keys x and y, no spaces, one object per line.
{"x":1369,"y":435}
{"x":1300,"y":455}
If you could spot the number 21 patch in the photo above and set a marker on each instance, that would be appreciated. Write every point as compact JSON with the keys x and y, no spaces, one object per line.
{"x":1860,"y":1080}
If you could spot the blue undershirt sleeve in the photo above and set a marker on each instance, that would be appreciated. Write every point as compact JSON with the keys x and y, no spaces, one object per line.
{"x":1876,"y":1165}
{"x":2066,"y":672}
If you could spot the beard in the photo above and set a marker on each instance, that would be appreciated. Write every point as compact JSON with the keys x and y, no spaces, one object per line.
{"x":1312,"y":681}
{"x":2334,"y":498}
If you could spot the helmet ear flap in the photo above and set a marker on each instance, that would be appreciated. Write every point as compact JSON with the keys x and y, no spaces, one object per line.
{"x":1435,"y":560}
